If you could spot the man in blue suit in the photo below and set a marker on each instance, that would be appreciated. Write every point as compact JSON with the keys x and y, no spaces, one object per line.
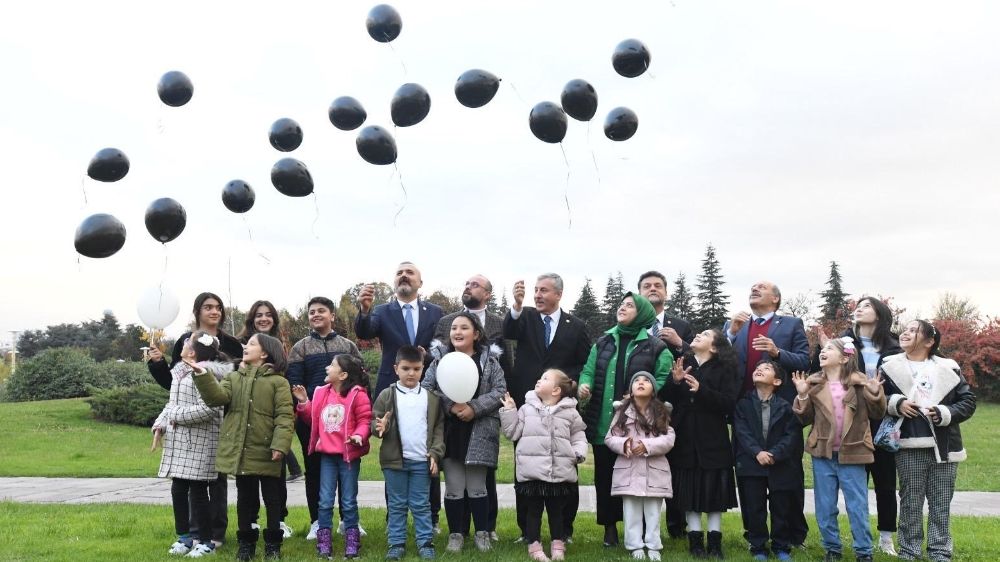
{"x":764,"y":333}
{"x":403,"y":321}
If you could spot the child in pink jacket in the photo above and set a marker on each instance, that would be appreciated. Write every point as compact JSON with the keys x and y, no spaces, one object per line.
{"x":641,"y":435}
{"x":340,"y":416}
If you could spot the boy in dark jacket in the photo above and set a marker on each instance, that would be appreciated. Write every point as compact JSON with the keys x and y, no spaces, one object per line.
{"x":767,"y":437}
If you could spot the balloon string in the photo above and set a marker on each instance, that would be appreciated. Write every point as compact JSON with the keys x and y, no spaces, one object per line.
{"x":593,"y":156}
{"x":569,"y":212}
{"x":406,"y":196}
{"x":83,"y":188}
{"x":398,"y":57}
{"x":252,"y":241}
{"x":229,"y":287}
{"x":163,"y":276}
{"x":316,"y":219}
{"x":518,"y":94}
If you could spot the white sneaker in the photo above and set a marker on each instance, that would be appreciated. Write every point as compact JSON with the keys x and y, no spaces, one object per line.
{"x":201,"y":550}
{"x":340,"y":529}
{"x":286,"y":531}
{"x":179,"y":548}
{"x":886,"y":546}
{"x":654,"y":554}
{"x":312,"y":531}
{"x":255,"y":526}
{"x":639,"y":554}
{"x":494,"y":536}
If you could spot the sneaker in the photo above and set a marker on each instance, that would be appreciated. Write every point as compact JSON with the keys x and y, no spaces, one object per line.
{"x":181,"y":547}
{"x":639,"y":554}
{"x":654,"y":554}
{"x":886,"y":546}
{"x":286,"y":531}
{"x":396,"y":552}
{"x":201,"y":550}
{"x":255,"y":526}
{"x":482,"y":540}
{"x":427,"y":552}
{"x":783,"y":555}
{"x":312,"y":531}
{"x":569,"y":539}
{"x":832,"y":556}
{"x":437,"y":529}
{"x":760,"y":556}
{"x":340,"y":529}
{"x":494,"y":536}
{"x":455,"y":542}
{"x":293,"y":477}
{"x":864,"y":558}
{"x":519,"y":540}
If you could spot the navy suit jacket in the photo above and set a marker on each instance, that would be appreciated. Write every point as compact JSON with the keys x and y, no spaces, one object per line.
{"x":386,"y":323}
{"x":789,"y":334}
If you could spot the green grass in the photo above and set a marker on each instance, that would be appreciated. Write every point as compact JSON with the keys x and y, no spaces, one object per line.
{"x":73,"y":444}
{"x":124,"y":532}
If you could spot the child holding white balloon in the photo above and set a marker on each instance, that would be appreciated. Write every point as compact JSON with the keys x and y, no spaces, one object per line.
{"x":551,"y":441}
{"x":472,"y":422}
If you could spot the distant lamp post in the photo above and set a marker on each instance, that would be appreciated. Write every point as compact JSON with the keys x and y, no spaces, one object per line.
{"x":13,"y":351}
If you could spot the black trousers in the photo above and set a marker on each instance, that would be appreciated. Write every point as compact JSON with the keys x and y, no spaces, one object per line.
{"x":190,"y":501}
{"x":533,"y":507}
{"x":292,"y":464}
{"x":798,"y":528}
{"x":883,"y":473}
{"x":676,"y":519}
{"x":609,"y":508}
{"x":249,"y":490}
{"x":312,"y":469}
{"x":218,"y":505}
{"x":755,"y":502}
{"x":435,"y":500}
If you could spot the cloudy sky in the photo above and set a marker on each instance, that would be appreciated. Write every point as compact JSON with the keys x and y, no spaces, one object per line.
{"x":787,"y":134}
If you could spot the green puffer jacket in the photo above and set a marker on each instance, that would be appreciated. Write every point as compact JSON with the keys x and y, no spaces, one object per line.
{"x":260,"y":419}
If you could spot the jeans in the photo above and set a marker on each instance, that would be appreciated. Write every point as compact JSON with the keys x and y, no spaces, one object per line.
{"x":408,"y":489}
{"x":829,"y":476}
{"x":334,"y":472}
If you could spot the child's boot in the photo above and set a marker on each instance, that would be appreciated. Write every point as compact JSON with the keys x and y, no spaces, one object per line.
{"x":352,"y":542}
{"x":272,"y":544}
{"x":696,"y":544}
{"x":247,"y":548}
{"x":536,"y":553}
{"x":558,"y":550}
{"x":715,"y":545}
{"x":324,"y":544}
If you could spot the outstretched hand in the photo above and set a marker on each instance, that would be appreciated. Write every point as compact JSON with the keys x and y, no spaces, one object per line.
{"x":678,"y":371}
{"x":875,"y":383}
{"x":299,"y":392}
{"x":801,"y":385}
{"x":508,"y":402}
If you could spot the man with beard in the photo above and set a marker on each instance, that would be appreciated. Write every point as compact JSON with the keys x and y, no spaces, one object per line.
{"x":477,"y":293}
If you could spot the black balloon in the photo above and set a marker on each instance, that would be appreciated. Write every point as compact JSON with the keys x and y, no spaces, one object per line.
{"x":99,"y":236}
{"x":175,"y":88}
{"x":410,"y":104}
{"x":347,"y":114}
{"x":548,"y":122}
{"x":238,"y":196}
{"x":285,"y":135}
{"x":165,"y":219}
{"x":631,"y":58}
{"x":384,"y":23}
{"x":291,"y":178}
{"x":621,"y":124}
{"x":376,"y":146}
{"x":475,"y":88}
{"x":110,"y":164}
{"x":579,"y":100}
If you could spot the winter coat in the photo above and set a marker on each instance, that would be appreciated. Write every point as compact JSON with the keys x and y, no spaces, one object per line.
{"x":860,"y":406}
{"x":891,"y":348}
{"x":310,"y":356}
{"x":484,"y":445}
{"x":357,"y":420}
{"x":390,"y":454}
{"x":953,"y":400}
{"x":259,"y":420}
{"x":784,"y":442}
{"x":700,"y":418}
{"x":190,"y":427}
{"x":550,"y":441}
{"x":645,"y":475}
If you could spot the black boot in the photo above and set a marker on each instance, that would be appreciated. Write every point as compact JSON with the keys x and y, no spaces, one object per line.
{"x":715,"y":545}
{"x":696,"y":544}
{"x":272,"y":544}
{"x":611,"y":535}
{"x":247,"y":545}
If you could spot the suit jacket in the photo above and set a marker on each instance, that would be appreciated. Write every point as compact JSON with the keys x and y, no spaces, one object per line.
{"x":386,"y":323}
{"x":494,"y":333}
{"x":568,"y":351}
{"x":683,"y":329}
{"x":789,"y":335}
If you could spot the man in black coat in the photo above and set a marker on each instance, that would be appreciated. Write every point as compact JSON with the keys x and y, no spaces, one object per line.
{"x":547,"y":338}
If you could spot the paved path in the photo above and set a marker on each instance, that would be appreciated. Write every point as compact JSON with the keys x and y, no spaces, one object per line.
{"x":370,"y":494}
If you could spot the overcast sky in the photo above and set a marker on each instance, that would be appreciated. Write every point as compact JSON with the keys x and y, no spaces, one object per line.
{"x":787,"y":134}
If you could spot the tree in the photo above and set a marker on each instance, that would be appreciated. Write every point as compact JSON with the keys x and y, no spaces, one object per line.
{"x":504,"y":307}
{"x":447,"y":304}
{"x":713,"y":304}
{"x":491,"y":305}
{"x":587,"y":310}
{"x":953,"y":307}
{"x":614,"y":292}
{"x":235,"y":318}
{"x":383,"y":292}
{"x":128,"y":345}
{"x":800,"y":305}
{"x":834,"y":297}
{"x":294,"y":326}
{"x":30,"y":343}
{"x":102,"y":335}
{"x":680,"y":303}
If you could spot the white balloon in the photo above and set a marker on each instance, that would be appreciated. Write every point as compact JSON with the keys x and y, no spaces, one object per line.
{"x":458,"y":376}
{"x":157,"y":307}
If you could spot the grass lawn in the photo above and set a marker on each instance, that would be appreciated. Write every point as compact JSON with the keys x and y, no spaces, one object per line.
{"x":124,"y":532}
{"x":59,"y":438}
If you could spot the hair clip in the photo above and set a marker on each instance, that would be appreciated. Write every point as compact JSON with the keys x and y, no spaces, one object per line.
{"x":848,"y":345}
{"x":206,"y":340}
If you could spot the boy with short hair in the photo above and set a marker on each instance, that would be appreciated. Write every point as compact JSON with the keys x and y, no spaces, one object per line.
{"x":767,"y":437}
{"x":410,"y":422}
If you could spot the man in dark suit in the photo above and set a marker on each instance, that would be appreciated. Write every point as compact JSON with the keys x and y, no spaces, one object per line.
{"x":547,"y":338}
{"x":761,"y":333}
{"x":403,"y":321}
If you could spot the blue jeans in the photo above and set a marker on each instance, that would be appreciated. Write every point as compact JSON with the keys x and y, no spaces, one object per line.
{"x":829,"y":476}
{"x":409,"y":488}
{"x":333,"y":471}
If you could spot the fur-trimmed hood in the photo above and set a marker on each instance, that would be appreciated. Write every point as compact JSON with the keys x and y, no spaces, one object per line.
{"x":439,"y":349}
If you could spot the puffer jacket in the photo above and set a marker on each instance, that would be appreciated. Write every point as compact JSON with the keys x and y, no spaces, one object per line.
{"x":645,"y":475}
{"x":860,"y":406}
{"x":357,"y":421}
{"x":484,"y":445}
{"x":550,"y":440}
{"x":953,"y":399}
{"x":260,"y":419}
{"x":190,"y":427}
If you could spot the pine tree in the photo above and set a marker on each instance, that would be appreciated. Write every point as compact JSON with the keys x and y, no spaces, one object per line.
{"x":491,"y":305}
{"x":587,"y":310}
{"x":614,"y":292}
{"x":834,"y":298}
{"x":504,"y":306}
{"x":713,"y":304}
{"x":680,"y":303}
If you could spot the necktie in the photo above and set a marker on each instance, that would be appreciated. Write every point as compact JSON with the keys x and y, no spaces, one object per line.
{"x":408,"y":318}
{"x":548,"y":330}
{"x":760,"y":321}
{"x":655,"y":329}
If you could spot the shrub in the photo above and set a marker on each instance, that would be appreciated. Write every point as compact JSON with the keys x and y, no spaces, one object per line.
{"x":134,"y":405}
{"x":62,"y":372}
{"x":125,"y":373}
{"x":372,"y":358}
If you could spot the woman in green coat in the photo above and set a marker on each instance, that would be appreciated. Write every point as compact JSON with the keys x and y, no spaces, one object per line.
{"x":622,"y":351}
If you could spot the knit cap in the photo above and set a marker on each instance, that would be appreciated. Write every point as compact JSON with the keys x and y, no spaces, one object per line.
{"x":651,"y":378}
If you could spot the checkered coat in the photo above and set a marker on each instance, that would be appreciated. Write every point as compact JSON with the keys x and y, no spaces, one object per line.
{"x":191,"y":428}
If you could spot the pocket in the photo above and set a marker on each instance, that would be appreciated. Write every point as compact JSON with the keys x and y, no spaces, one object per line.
{"x":621,"y":477}
{"x":659,"y":477}
{"x":866,"y":443}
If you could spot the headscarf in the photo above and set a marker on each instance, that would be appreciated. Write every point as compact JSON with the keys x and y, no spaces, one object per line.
{"x":645,"y":315}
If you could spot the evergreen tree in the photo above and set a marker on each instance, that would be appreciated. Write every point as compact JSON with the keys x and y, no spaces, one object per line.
{"x":491,"y":305}
{"x":587,"y":310}
{"x":834,"y":298}
{"x":713,"y":304}
{"x":614,"y":292}
{"x":504,"y":306}
{"x":681,"y":301}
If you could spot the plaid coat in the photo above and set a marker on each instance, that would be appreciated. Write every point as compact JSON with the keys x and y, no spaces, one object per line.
{"x":191,"y":428}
